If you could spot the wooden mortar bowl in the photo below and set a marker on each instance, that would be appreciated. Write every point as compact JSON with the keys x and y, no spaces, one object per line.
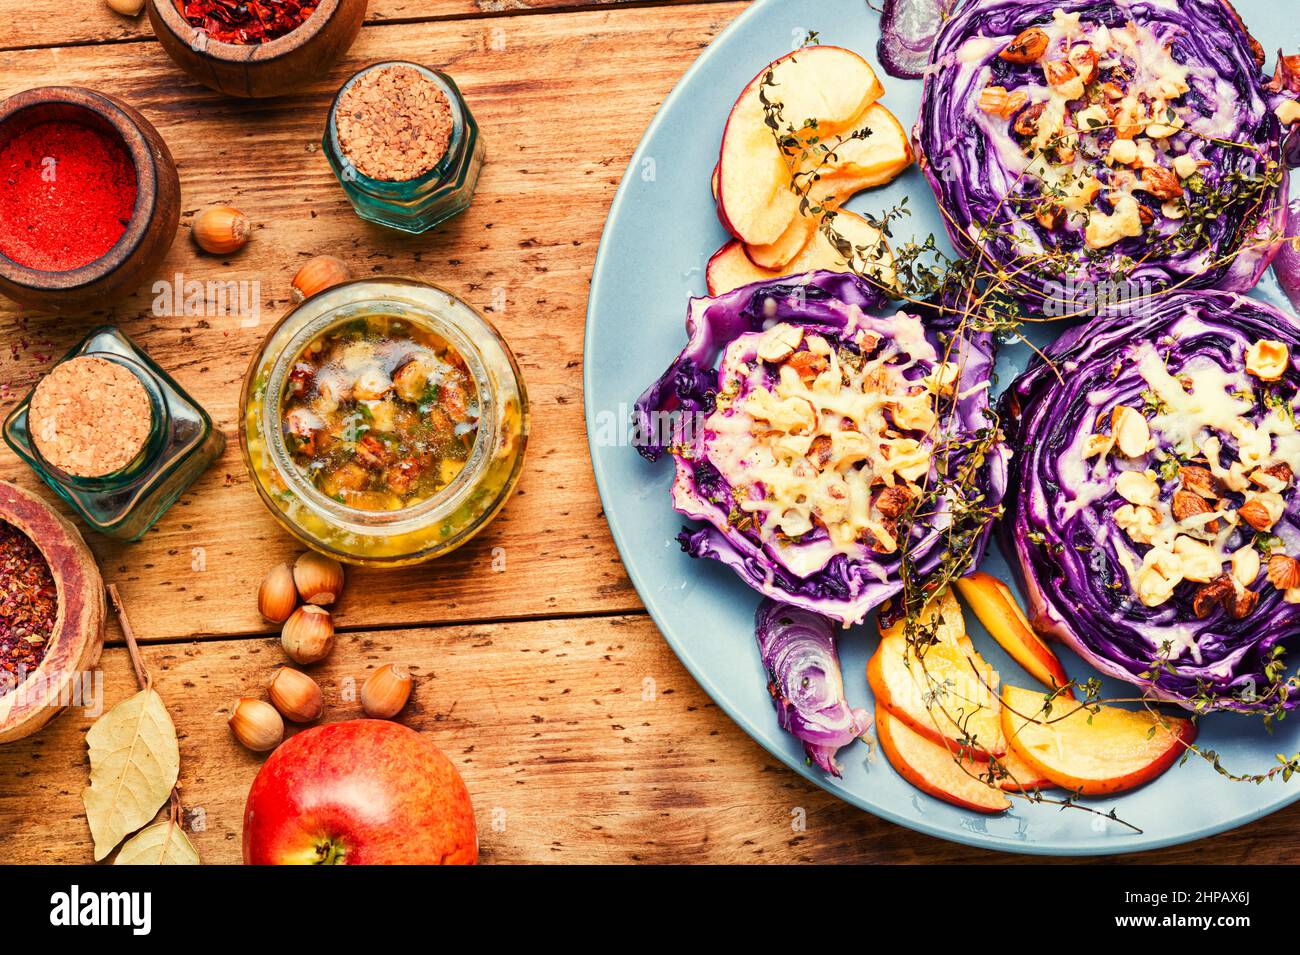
{"x":149,"y":234}
{"x":263,"y":69}
{"x":78,"y":635}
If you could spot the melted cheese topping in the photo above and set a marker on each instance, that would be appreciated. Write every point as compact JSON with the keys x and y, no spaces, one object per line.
{"x":816,"y":446}
{"x":1194,"y":412}
{"x":1145,"y":113}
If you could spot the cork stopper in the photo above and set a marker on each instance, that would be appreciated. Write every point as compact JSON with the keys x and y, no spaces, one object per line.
{"x":90,"y":417}
{"x":394,"y":123}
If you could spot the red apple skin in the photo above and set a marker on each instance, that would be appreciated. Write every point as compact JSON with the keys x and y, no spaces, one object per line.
{"x":362,"y":792}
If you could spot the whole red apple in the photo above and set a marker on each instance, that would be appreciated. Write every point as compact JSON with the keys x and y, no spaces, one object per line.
{"x":363,"y":792}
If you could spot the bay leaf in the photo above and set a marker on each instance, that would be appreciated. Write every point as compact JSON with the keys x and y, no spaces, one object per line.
{"x":134,"y":762}
{"x":163,"y":843}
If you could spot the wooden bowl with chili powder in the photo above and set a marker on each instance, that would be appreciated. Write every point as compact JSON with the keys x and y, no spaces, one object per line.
{"x":61,"y":634}
{"x":223,"y":54}
{"x":56,"y":143}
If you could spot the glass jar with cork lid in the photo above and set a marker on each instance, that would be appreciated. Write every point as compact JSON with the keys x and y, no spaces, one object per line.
{"x":113,"y":435}
{"x":404,"y":146}
{"x":384,"y":422}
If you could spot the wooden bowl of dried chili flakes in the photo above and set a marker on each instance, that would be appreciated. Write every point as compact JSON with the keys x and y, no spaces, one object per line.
{"x":52,"y":614}
{"x":256,"y":48}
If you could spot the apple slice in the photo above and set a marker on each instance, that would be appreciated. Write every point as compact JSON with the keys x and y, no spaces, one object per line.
{"x":943,"y":612}
{"x":831,"y":84}
{"x":1109,"y":751}
{"x":793,"y":243}
{"x":935,"y":770}
{"x":873,"y":161}
{"x":731,"y":266}
{"x":996,"y":608}
{"x":946,"y":702}
{"x":1022,"y":778}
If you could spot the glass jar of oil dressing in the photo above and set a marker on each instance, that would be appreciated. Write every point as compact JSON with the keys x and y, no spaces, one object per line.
{"x":384,"y":422}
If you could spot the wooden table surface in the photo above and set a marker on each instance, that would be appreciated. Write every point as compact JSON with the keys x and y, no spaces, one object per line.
{"x":581,"y":737}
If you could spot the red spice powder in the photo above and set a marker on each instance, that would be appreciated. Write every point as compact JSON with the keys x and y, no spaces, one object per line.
{"x":29,"y":607}
{"x":67,"y":193}
{"x":245,"y":22}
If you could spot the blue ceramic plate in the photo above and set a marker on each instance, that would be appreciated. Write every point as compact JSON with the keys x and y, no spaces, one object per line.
{"x":661,"y":231}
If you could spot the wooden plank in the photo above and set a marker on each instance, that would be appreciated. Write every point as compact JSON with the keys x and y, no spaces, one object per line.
{"x":581,"y":741}
{"x":523,"y":253}
{"x":47,"y":23}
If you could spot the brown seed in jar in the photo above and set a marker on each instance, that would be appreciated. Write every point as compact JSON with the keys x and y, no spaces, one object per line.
{"x":1028,"y":47}
{"x":394,"y":123}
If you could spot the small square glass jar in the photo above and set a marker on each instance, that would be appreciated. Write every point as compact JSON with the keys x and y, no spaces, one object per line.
{"x":181,"y":444}
{"x":420,"y":204}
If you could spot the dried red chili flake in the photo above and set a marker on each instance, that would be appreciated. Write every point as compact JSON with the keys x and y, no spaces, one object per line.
{"x":29,"y":606}
{"x":245,"y":22}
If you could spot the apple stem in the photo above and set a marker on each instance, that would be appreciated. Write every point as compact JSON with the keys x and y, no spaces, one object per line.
{"x":330,"y":852}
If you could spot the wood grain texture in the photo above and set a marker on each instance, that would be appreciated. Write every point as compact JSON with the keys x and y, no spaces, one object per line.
{"x":580,"y":741}
{"x":525,"y":78}
{"x":49,"y":23}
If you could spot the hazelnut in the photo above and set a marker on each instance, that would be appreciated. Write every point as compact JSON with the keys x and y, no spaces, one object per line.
{"x":1245,"y":565}
{"x":1240,"y":602}
{"x":893,"y":501}
{"x":256,"y":724}
{"x":386,"y":691}
{"x":1187,"y":505}
{"x":1284,"y":572}
{"x":1137,"y":487}
{"x":221,"y":229}
{"x":295,"y":695}
{"x":1211,"y":595}
{"x":319,"y":579}
{"x":318,"y":274}
{"x":1085,"y":59}
{"x":1275,"y":477}
{"x":1161,"y":183}
{"x":1131,"y":431}
{"x":1198,"y":480}
{"x":808,"y":365}
{"x":1262,"y":511}
{"x":1064,"y":77}
{"x":1028,"y":47}
{"x":1268,"y":360}
{"x":308,"y":635}
{"x":819,"y":452}
{"x":277,"y":598}
{"x":779,"y":342}
{"x":1026,"y":123}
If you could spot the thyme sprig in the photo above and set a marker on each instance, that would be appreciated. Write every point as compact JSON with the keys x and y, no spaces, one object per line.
{"x":978,"y":295}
